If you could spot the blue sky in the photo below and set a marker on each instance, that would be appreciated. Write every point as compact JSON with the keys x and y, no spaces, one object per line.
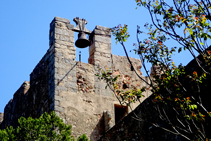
{"x":24,"y":29}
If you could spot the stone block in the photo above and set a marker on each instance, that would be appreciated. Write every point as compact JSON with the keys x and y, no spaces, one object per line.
{"x":70,"y":85}
{"x":91,"y":50}
{"x":65,"y":32}
{"x":65,"y":42}
{"x":64,"y":94}
{"x":74,"y":79}
{"x":56,"y":59}
{"x":100,"y":32}
{"x":68,"y":103}
{"x":102,"y":47}
{"x":58,"y":30}
{"x":59,"y":98}
{"x":102,"y":28}
{"x":59,"y":24}
{"x":59,"y":65}
{"x":60,"y":50}
{"x":102,"y":39}
{"x":58,"y":54}
{"x":60,"y":46}
{"x":74,"y":90}
{"x":58,"y":109}
{"x":61,"y":82}
{"x":71,"y":48}
{"x":107,"y":92}
{"x":56,"y":102}
{"x":71,"y":33}
{"x":62,"y":20}
{"x":61,"y":71}
{"x":61,"y":88}
{"x":66,"y":60}
{"x":64,"y":38}
{"x":97,"y":91}
{"x":70,"y":26}
{"x":56,"y":92}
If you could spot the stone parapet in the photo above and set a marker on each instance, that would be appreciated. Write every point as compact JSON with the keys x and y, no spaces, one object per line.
{"x":39,"y":96}
{"x":16,"y":107}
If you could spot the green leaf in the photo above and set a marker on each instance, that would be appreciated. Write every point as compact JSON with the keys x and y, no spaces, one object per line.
{"x":159,"y":7}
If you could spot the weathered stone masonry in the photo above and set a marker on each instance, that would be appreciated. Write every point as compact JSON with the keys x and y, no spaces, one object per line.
{"x":70,"y":88}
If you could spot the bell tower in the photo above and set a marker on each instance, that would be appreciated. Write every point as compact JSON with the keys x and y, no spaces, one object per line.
{"x":59,"y":83}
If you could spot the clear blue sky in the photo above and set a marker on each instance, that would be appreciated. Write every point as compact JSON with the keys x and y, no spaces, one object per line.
{"x":24,"y":29}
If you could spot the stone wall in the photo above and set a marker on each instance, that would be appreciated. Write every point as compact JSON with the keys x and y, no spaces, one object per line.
{"x":32,"y":98}
{"x":39,"y":94}
{"x":1,"y":118}
{"x":79,"y":96}
{"x":71,"y":88}
{"x":16,"y":107}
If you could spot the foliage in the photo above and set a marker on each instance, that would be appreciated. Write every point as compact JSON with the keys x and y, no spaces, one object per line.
{"x":125,"y":97}
{"x":48,"y":127}
{"x":121,"y":34}
{"x":176,"y":90}
{"x":82,"y":138}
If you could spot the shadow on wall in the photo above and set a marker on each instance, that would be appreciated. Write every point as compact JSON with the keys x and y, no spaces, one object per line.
{"x":99,"y":130}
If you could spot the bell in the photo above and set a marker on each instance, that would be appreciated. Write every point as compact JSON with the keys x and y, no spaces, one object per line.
{"x":82,"y":41}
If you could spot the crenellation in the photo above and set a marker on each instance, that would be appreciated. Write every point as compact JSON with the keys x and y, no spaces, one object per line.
{"x":100,"y":49}
{"x":63,"y":20}
{"x":100,"y":30}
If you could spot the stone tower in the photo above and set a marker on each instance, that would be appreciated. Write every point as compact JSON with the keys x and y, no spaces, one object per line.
{"x":59,"y":83}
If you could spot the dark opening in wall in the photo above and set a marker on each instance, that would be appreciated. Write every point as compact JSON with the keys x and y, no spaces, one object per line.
{"x":125,"y":86}
{"x":120,"y":112}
